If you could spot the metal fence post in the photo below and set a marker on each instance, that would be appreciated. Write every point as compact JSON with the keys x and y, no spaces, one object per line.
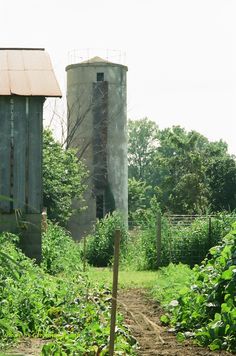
{"x":158,"y":245}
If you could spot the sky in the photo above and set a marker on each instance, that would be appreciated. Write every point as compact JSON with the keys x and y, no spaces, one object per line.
{"x":181,"y":54}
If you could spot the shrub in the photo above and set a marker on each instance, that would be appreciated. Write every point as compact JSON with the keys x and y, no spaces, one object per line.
{"x":100,"y":245}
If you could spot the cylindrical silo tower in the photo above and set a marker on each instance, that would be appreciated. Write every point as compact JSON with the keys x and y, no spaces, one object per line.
{"x":97,"y":128}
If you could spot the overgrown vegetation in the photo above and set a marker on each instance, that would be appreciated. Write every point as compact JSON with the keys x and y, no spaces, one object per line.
{"x":100,"y":245}
{"x":63,"y":179}
{"x":64,"y":308}
{"x":60,"y":252}
{"x":179,"y":243}
{"x":207,"y":309}
{"x":170,"y":281}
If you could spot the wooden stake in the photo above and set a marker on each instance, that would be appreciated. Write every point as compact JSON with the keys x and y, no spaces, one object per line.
{"x":44,"y":220}
{"x":84,"y":267}
{"x":209,"y":233}
{"x":158,"y":239}
{"x":114,"y":292}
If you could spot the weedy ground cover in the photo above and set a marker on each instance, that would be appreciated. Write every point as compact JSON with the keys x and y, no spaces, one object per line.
{"x":65,"y":307}
{"x":170,"y":281}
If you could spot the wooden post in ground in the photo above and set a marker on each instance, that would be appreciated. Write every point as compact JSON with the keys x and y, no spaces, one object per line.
{"x":84,"y":267}
{"x":114,"y":292}
{"x":158,"y":245}
{"x":209,"y":233}
{"x":44,"y":220}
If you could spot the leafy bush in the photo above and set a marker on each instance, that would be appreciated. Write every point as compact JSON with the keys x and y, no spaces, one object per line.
{"x":60,"y":252}
{"x":63,"y":179}
{"x":208,"y":308}
{"x":100,"y":246}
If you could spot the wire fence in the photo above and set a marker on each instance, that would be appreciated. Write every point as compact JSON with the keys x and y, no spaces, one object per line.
{"x":186,"y":238}
{"x":181,"y":238}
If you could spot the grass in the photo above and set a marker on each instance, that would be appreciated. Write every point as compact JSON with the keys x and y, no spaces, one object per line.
{"x":171,"y":280}
{"x":127,"y":279}
{"x":164,"y":284}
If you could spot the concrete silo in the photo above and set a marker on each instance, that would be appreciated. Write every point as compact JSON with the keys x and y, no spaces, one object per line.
{"x":97,"y":128}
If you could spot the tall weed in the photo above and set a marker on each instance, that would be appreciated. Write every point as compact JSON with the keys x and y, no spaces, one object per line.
{"x":100,"y":245}
{"x":60,"y":252}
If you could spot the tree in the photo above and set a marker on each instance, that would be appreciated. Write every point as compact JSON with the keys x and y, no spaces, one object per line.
{"x":142,"y":145}
{"x":182,"y":173}
{"x":187,"y":173}
{"x":138,"y":198}
{"x":222,"y":182}
{"x":63,"y":179}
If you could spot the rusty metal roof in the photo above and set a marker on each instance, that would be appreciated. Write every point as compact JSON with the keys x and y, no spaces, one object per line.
{"x":27,"y":72}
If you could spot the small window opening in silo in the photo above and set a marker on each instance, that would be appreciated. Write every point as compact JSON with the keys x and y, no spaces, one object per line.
{"x":99,"y":206}
{"x":100,"y":77}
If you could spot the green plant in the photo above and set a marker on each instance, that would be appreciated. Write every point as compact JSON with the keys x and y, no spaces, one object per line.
{"x":100,"y":245}
{"x":179,"y":243}
{"x":208,"y":308}
{"x":169,"y":281}
{"x":60,"y":252}
{"x":67,"y":309}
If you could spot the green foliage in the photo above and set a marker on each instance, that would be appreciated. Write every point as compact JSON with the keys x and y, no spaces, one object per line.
{"x":221,"y":173}
{"x":63,"y":179}
{"x":208,"y":308}
{"x":179,"y":243}
{"x":60,"y":252}
{"x":67,"y":309}
{"x":137,"y":199}
{"x":181,"y":175}
{"x":142,"y":144}
{"x":100,"y":245}
{"x":187,"y":173}
{"x":170,"y":281}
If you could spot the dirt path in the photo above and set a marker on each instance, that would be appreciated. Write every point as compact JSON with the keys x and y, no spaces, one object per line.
{"x":27,"y":347}
{"x":142,"y":317}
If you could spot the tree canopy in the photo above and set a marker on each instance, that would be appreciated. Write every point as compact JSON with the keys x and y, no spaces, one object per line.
{"x":188,"y":173}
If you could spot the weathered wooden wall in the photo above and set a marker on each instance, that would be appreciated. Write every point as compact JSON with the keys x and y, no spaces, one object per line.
{"x":21,"y":167}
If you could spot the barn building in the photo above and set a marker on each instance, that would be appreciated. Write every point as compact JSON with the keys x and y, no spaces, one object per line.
{"x":26,"y":78}
{"x":97,"y":128}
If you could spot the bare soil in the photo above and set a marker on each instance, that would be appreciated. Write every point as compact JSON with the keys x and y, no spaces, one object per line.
{"x":27,"y":347}
{"x":142,"y":316}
